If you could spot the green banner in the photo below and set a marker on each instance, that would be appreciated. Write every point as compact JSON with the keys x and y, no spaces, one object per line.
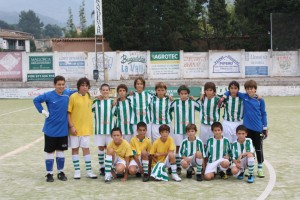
{"x":40,"y":62}
{"x":159,"y":56}
{"x":40,"y":77}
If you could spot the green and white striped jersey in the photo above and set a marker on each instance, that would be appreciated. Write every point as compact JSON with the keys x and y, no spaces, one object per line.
{"x":140,"y":103}
{"x":184,"y":114}
{"x":233,"y":110}
{"x":104,"y":116}
{"x":123,"y":112}
{"x":217,"y":149}
{"x":238,"y":148}
{"x":189,"y":148}
{"x":210,"y":112}
{"x":160,"y":110}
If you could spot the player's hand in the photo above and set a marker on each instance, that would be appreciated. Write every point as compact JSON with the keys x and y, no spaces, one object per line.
{"x":99,"y":97}
{"x":141,"y":169}
{"x":221,"y":102}
{"x":73,"y":131}
{"x":265,"y":134}
{"x":124,"y":179}
{"x":226,"y":157}
{"x":192,"y":98}
{"x":115,"y":101}
{"x":45,"y":113}
{"x":131,"y":93}
{"x":202,"y":97}
{"x":171,"y":98}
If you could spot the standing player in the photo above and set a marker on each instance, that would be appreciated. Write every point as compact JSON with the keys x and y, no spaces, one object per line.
{"x":56,"y":126}
{"x":104,"y":122}
{"x":81,"y":126}
{"x":184,"y":113}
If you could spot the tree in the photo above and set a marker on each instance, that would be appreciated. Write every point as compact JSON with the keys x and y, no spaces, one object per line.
{"x":70,"y":30}
{"x":5,"y":25}
{"x":218,"y":17}
{"x":29,"y":22}
{"x":82,"y":17}
{"x":52,"y":31}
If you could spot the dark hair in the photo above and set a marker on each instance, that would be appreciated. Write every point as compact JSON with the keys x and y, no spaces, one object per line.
{"x":160,"y":85}
{"x":183,"y":87}
{"x":209,"y":85}
{"x":104,"y":85}
{"x":234,"y":83}
{"x":164,"y":127}
{"x":190,"y":127}
{"x":141,"y":124}
{"x":241,"y":128}
{"x":250,"y":84}
{"x":116,"y":129}
{"x":82,"y":81}
{"x":141,"y":79}
{"x":58,"y":78}
{"x":216,"y":125}
{"x":123,"y":86}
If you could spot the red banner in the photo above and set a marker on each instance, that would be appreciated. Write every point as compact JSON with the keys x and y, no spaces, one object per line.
{"x":10,"y":66}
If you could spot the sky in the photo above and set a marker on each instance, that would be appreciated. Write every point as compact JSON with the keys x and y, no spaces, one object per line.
{"x":56,"y":9}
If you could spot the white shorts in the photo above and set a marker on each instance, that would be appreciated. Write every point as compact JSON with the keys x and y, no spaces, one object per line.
{"x":127,"y":137}
{"x":118,"y":160}
{"x":167,"y":162}
{"x":205,"y":133}
{"x":244,"y":164}
{"x":178,"y":138}
{"x":148,"y":134}
{"x":229,"y":129}
{"x":193,"y":160}
{"x":79,"y":141}
{"x":212,"y":167}
{"x":155,"y":131}
{"x":102,"y":140}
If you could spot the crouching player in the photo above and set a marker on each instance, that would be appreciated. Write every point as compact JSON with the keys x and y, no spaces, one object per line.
{"x":162,"y":152}
{"x":218,"y":152}
{"x":192,"y":153}
{"x":243,"y":155}
{"x":117,"y":155}
{"x":141,"y":146}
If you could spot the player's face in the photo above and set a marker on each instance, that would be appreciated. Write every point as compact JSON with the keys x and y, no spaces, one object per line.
{"x":251,"y":91}
{"x":233,"y":90}
{"x":164,"y":135}
{"x":209,"y":93}
{"x":139,"y":86}
{"x":217,"y":133}
{"x":117,"y":137}
{"x":191,"y":133}
{"x":122,"y":93}
{"x":160,"y":92}
{"x":105,"y":91}
{"x":184,"y":95}
{"x":59,"y":86}
{"x":142,"y":132}
{"x":83,"y":88}
{"x":241,"y":135}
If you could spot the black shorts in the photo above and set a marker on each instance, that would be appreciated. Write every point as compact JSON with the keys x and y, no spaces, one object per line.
{"x":55,"y":143}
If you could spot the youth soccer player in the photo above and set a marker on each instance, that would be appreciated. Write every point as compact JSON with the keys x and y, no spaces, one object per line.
{"x":56,"y":126}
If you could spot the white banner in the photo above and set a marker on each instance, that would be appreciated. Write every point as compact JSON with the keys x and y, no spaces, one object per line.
{"x":285,"y":63}
{"x":70,"y":65}
{"x":98,"y":17}
{"x":195,"y":65}
{"x":22,"y":92}
{"x":256,"y":64}
{"x":223,"y":64}
{"x":132,"y":64}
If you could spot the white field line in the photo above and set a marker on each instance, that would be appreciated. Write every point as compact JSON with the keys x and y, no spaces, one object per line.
{"x":15,"y":111}
{"x":21,"y":149}
{"x":271,"y":183}
{"x":21,"y":124}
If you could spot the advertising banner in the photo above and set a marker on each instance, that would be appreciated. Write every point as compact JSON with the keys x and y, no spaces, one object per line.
{"x":195,"y":65}
{"x":285,"y":63}
{"x":256,"y":64}
{"x":10,"y":66}
{"x":40,"y":62}
{"x":132,"y":64}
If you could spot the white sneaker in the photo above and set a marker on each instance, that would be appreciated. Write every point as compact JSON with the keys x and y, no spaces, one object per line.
{"x":175,"y":177}
{"x":108,"y":178}
{"x":90,"y":174}
{"x":77,"y":174}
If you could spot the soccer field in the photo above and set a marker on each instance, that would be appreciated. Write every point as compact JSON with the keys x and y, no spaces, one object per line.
{"x":22,"y":163}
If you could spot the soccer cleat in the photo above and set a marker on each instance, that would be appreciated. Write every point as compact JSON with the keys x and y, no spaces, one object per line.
{"x":228,"y":172}
{"x":175,"y":177}
{"x":102,"y":171}
{"x":223,"y":175}
{"x":178,"y":170}
{"x":77,"y":174}
{"x":120,"y":175}
{"x":146,"y":177}
{"x":199,"y":177}
{"x":138,"y":174}
{"x":49,"y":178}
{"x":241,"y":176}
{"x":250,"y":179}
{"x":260,"y":173}
{"x":108,"y":179}
{"x":61,"y":176}
{"x":189,"y":172}
{"x":193,"y":171}
{"x":90,"y":174}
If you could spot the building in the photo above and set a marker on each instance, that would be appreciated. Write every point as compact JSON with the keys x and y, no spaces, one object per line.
{"x":12,"y":40}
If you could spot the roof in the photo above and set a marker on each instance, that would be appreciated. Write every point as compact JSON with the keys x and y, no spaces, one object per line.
{"x":13,"y":34}
{"x":74,"y":39}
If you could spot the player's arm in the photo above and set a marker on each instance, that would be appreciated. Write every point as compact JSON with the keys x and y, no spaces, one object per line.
{"x":264,"y":118}
{"x":126,"y":168}
{"x":37,"y":101}
{"x":71,"y":125}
